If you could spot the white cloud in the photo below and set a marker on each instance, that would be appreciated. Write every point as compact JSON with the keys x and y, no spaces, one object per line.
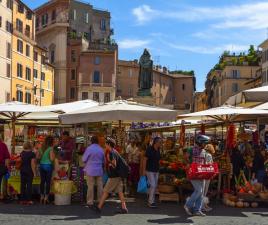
{"x":252,"y":16}
{"x":144,"y":13}
{"x":133,"y":43}
{"x":210,"y":50}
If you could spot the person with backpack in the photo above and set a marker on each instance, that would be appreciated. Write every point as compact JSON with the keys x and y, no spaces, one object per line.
{"x":117,"y":169}
{"x":46,"y":168}
{"x":152,"y":158}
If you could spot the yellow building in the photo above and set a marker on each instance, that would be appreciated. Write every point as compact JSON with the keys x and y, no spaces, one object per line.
{"x":22,"y":52}
{"x":43,"y":77}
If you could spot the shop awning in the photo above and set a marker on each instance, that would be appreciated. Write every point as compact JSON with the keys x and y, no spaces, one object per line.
{"x":120,"y":110}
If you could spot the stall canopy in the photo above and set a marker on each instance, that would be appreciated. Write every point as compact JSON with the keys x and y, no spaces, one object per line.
{"x":226,"y":113}
{"x":14,"y":111}
{"x":120,"y":110}
{"x":255,"y":95}
{"x":262,"y":106}
{"x":61,"y":108}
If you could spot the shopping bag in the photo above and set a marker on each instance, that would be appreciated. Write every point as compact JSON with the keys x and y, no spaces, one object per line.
{"x":142,"y":185}
{"x":198,"y":171}
{"x":104,"y":178}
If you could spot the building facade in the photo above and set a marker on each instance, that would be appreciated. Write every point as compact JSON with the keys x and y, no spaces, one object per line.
{"x":6,"y":49}
{"x":200,"y":101}
{"x":234,"y":76}
{"x":173,"y":91}
{"x":43,"y":78}
{"x":70,"y":30}
{"x":264,"y":63}
{"x":23,"y":42}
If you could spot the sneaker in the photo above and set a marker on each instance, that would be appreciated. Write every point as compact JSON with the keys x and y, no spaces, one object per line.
{"x":96,"y":209}
{"x":199,"y":214}
{"x":122,"y":211}
{"x":187,"y":210}
{"x":152,"y":205}
{"x":207,"y":209}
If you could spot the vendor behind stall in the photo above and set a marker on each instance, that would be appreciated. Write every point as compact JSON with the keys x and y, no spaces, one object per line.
{"x":67,"y":145}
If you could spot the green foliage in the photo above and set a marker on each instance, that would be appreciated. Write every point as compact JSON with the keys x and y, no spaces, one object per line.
{"x":184,"y":72}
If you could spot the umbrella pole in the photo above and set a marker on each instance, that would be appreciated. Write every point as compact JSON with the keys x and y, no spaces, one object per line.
{"x":13,"y":135}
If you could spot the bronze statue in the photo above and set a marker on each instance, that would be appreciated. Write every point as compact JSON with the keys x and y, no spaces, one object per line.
{"x":146,"y":74}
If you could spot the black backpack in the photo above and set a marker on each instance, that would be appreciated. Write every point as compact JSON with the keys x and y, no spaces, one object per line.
{"x":122,"y":167}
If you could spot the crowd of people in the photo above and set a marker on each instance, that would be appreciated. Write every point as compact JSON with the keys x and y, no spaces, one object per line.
{"x":102,"y":169}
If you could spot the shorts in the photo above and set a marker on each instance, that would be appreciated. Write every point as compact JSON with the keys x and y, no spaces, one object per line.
{"x":114,"y":185}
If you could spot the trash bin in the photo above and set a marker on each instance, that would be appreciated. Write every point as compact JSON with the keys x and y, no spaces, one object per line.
{"x":63,"y":190}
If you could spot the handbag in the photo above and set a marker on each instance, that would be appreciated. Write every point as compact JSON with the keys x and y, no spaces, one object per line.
{"x":142,"y":185}
{"x":198,"y":171}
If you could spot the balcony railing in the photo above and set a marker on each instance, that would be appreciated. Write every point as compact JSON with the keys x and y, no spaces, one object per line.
{"x":24,"y":32}
{"x":98,"y":84}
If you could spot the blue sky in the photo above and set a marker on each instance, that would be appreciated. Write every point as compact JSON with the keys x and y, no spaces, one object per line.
{"x":184,"y":34}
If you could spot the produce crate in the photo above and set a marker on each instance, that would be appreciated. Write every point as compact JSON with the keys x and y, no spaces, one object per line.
{"x":173,"y":197}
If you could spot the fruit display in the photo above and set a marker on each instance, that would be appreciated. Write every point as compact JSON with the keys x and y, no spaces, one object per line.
{"x":234,"y":201}
{"x":231,"y":137}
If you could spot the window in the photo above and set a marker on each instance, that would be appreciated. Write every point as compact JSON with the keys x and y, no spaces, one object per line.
{"x":43,"y":76}
{"x":43,"y":59}
{"x":20,"y":46}
{"x":86,"y":35}
{"x":0,"y":21}
{"x":103,"y":24}
{"x":20,"y":8}
{"x":8,"y":50}
{"x":183,"y":86}
{"x":96,"y":96}
{"x":96,"y":77}
{"x":28,"y":98}
{"x":10,"y":4}
{"x":35,"y":56}
{"x":107,"y":97}
{"x":48,"y":84}
{"x":130,"y":72}
{"x":44,"y":19}
{"x":28,"y":74}
{"x":35,"y":73}
{"x":28,"y":50}
{"x":72,"y":93}
{"x":73,"y":74}
{"x":52,"y":56}
{"x":19,"y":25}
{"x":19,"y":70}
{"x":8,"y":97}
{"x":130,"y":91}
{"x":73,"y":56}
{"x":235,"y":87}
{"x":8,"y":27}
{"x":84,"y":95}
{"x":53,"y":16}
{"x":42,"y":92}
{"x":86,"y":18}
{"x":29,"y":15}
{"x":74,"y":14}
{"x":35,"y":89}
{"x":97,"y":60}
{"x":235,"y":74}
{"x":8,"y":70}
{"x":28,"y":31}
{"x":37,"y":23}
{"x":19,"y":96}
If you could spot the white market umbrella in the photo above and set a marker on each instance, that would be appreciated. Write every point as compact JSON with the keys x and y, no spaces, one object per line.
{"x":17,"y":110}
{"x":263,"y":106}
{"x":120,"y":110}
{"x":62,"y":108}
{"x":259,"y":94}
{"x":226,"y":113}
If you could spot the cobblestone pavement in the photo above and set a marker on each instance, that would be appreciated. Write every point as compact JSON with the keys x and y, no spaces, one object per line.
{"x":139,"y":214}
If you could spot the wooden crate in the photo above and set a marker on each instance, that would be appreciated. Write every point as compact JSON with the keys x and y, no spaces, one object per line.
{"x":174,"y":197}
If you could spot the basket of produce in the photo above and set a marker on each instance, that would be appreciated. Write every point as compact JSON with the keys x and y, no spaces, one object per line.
{"x":167,"y":189}
{"x":263,"y":195}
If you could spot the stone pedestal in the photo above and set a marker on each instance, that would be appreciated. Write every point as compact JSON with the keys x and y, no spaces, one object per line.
{"x":148,"y":100}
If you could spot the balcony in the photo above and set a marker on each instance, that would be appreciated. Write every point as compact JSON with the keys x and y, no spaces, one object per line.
{"x":23,"y":33}
{"x":109,"y":85}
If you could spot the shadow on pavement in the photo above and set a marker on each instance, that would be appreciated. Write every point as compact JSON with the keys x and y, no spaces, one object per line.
{"x":172,"y":213}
